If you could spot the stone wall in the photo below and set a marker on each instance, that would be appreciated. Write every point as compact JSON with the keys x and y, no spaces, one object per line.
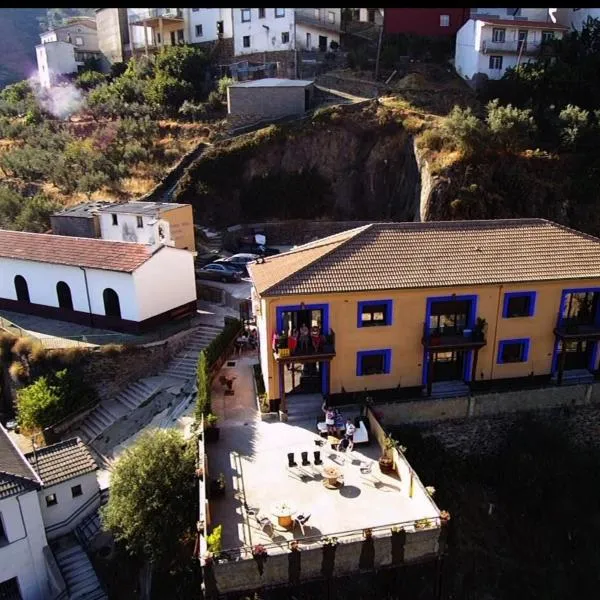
{"x":480,"y":424}
{"x":243,"y":574}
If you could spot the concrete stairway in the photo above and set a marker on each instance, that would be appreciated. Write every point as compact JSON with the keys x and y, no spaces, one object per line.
{"x":182,"y":367}
{"x":304,"y":408}
{"x":78,"y":573}
{"x":448,"y":389}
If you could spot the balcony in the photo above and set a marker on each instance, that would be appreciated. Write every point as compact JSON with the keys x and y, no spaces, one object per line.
{"x":446,"y":339}
{"x":577,"y":328}
{"x":318,"y":348}
{"x":307,"y":16}
{"x":151,"y":16}
{"x":514,"y":47}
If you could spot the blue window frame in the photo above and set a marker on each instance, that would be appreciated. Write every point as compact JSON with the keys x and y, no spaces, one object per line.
{"x":518,"y":304}
{"x":374,"y":362}
{"x":513,"y":351}
{"x":374,"y":313}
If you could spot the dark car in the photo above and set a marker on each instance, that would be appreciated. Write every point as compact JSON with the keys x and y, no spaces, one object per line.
{"x":238,"y":262}
{"x":260,"y":250}
{"x":219,"y":272}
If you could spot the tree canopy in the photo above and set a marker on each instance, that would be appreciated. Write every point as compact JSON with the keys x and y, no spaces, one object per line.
{"x":153,"y":495}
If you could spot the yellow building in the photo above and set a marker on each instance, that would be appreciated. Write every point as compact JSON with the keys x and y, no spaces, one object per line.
{"x":430,"y":308}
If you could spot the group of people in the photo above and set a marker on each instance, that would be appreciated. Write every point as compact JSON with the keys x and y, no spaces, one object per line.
{"x":335,"y":423}
{"x":303,"y":339}
{"x":248,"y":339}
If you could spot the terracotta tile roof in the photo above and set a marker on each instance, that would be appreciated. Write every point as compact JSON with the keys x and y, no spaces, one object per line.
{"x":522,"y":24}
{"x":79,"y":252}
{"x":385,"y":256}
{"x":16,"y":476}
{"x":282,"y":265}
{"x":62,"y":461}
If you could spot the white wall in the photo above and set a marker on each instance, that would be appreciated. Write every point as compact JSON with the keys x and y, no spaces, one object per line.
{"x":466,"y":56}
{"x":67,"y":505}
{"x":23,"y":556}
{"x":207,"y":17}
{"x":164,"y":282}
{"x":264,"y":341}
{"x":127,"y":230}
{"x":261,"y":39}
{"x":42,"y":279}
{"x":54,"y":58}
{"x":532,"y":14}
{"x":315,"y":32}
{"x":576,"y":18}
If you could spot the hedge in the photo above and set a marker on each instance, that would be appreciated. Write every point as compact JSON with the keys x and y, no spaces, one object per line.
{"x":207,"y":360}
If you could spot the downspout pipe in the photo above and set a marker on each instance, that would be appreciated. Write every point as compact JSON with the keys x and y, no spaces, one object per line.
{"x":87,"y":292}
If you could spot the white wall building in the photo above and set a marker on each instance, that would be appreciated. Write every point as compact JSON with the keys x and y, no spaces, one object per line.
{"x":317,"y":28}
{"x":525,"y":14}
{"x":70,"y":488}
{"x":575,"y":18}
{"x":208,"y":24}
{"x":81,"y":32}
{"x":115,"y":285}
{"x":23,"y":566}
{"x":262,"y":30}
{"x":54,"y":59}
{"x":489,"y":46}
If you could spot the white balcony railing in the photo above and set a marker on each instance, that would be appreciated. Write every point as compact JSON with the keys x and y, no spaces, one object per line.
{"x":513,"y":47}
{"x":309,"y":16}
{"x":137,"y":16}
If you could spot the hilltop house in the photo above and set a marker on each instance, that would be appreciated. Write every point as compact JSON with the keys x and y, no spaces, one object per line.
{"x":425,"y":21}
{"x":432,"y":308}
{"x":64,"y":49}
{"x":488,"y":45}
{"x":116,"y":285}
{"x":152,"y":223}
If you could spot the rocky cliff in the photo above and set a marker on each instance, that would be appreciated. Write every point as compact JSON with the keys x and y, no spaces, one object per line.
{"x":344,"y":163}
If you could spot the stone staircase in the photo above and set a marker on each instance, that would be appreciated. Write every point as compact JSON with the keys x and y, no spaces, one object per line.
{"x":182,"y":367}
{"x":448,"y":389}
{"x":304,"y":408}
{"x":78,"y":572}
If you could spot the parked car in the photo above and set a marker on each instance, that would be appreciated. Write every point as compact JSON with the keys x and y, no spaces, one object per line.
{"x":238,"y":262}
{"x":256,"y":249}
{"x":240,"y":268}
{"x":204,"y":258}
{"x":219,"y":272}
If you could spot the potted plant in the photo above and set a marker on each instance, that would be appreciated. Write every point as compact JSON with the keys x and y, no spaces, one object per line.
{"x":217,"y":486}
{"x":259,"y":553}
{"x":214,"y":541}
{"x":211,"y":431}
{"x":386,"y":461}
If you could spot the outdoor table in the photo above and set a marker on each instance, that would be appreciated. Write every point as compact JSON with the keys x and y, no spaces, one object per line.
{"x":331,"y":474}
{"x":283,"y":511}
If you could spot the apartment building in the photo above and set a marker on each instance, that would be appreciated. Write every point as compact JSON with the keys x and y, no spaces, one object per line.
{"x":65,"y":49}
{"x":489,"y":45}
{"x":433,"y":308}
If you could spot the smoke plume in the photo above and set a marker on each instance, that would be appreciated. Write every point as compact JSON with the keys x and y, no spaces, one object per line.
{"x":61,"y":101}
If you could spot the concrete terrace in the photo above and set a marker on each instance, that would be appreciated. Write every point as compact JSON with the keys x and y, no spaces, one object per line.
{"x":252,"y":454}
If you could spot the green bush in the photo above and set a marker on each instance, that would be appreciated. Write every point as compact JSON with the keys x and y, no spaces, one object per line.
{"x":574,"y":126}
{"x":433,"y":139}
{"x":512,"y":128}
{"x":214,"y":540}
{"x":51,"y":398}
{"x":465,"y":130}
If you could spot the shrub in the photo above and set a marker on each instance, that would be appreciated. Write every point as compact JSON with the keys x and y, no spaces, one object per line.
{"x":214,"y":100}
{"x":511,"y":127}
{"x":574,"y":126}
{"x":465,"y":130}
{"x":433,"y":139}
{"x":223,"y":85}
{"x":192,"y":112}
{"x":204,"y":382}
{"x":214,"y":540}
{"x":18,"y":371}
{"x":89,"y":80}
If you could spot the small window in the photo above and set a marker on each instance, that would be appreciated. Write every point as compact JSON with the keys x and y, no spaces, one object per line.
{"x":285,"y":37}
{"x":373,"y":313}
{"x":140,"y":222}
{"x":444,"y":20}
{"x":279,"y":12}
{"x":261,"y":13}
{"x":373,"y":362}
{"x":51,"y":500}
{"x":158,"y":38}
{"x":246,"y":41}
{"x":498,"y":35}
{"x":245,"y":15}
{"x":180,"y":35}
{"x":79,"y":41}
{"x":513,"y":351}
{"x":76,"y":491}
{"x":496,"y":63}
{"x":331,"y":16}
{"x":198,"y":30}
{"x":547,"y":36}
{"x":519,"y":305}
{"x":115,"y":220}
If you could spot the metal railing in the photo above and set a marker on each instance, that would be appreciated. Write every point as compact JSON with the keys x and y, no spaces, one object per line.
{"x":513,"y":47}
{"x":155,"y":13}
{"x":308,"y":17}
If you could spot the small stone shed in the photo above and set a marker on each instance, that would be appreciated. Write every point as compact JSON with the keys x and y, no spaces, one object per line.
{"x":269,"y":98}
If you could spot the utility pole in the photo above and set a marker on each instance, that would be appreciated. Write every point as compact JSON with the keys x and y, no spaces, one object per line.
{"x":378,"y":53}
